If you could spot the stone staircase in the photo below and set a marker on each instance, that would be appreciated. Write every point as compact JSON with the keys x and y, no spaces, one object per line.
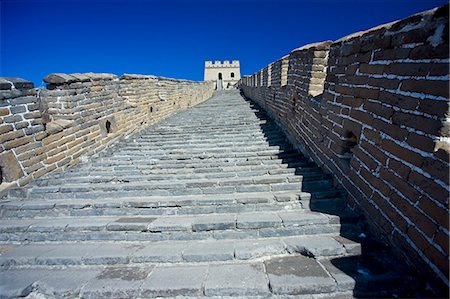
{"x":213,"y":201}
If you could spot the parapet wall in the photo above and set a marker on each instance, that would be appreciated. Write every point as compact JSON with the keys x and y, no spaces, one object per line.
{"x":373,"y":110}
{"x":44,"y":130}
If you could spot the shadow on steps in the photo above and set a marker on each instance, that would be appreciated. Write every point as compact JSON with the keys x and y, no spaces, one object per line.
{"x":373,"y":269}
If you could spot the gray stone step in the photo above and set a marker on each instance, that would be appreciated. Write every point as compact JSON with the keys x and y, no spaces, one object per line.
{"x":114,"y":174}
{"x":167,"y":189}
{"x":156,"y":205}
{"x":189,"y":227}
{"x":120,"y":252}
{"x":282,"y":276}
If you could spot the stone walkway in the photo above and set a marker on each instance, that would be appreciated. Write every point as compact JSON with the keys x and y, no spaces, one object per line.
{"x":211,"y":202}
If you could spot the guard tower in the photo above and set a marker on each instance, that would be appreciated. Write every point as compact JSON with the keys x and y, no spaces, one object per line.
{"x":225,"y":74}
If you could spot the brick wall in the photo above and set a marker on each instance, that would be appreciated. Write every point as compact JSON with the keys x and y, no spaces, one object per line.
{"x":373,"y":109}
{"x":43,"y":130}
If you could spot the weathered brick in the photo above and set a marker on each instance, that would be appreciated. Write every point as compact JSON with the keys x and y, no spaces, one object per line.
{"x":432,"y":87}
{"x":439,"y":69}
{"x":442,"y":239}
{"x":4,"y":111}
{"x":44,"y":170}
{"x":11,"y":135}
{"x":430,"y":187}
{"x":434,"y":107}
{"x":378,"y":184}
{"x":391,"y":54}
{"x":422,"y":123}
{"x":400,"y":185}
{"x":438,"y":170}
{"x":397,"y":100}
{"x":402,"y":152}
{"x":13,"y":118}
{"x":392,"y":214}
{"x":365,"y":93}
{"x":393,"y":131}
{"x":17,"y":142}
{"x":424,"y":143}
{"x":31,"y":115}
{"x":429,"y":52}
{"x":439,"y":259}
{"x":362,"y":116}
{"x":384,"y":83}
{"x":33,"y":167}
{"x":378,"y":69}
{"x":6,"y":128}
{"x":399,"y":167}
{"x":53,"y":138}
{"x":368,"y":161}
{"x":21,"y":125}
{"x":408,"y":69}
{"x":417,"y":239}
{"x":54,"y":159}
{"x":375,"y":151}
{"x":378,"y":109}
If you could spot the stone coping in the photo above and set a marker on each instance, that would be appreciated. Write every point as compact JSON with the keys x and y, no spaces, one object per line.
{"x":9,"y":83}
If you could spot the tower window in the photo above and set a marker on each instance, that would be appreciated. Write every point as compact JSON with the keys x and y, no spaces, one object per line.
{"x":220,"y":76}
{"x":232,"y":75}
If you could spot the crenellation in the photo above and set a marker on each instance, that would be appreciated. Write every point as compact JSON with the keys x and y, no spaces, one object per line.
{"x":224,"y":75}
{"x":371,"y":108}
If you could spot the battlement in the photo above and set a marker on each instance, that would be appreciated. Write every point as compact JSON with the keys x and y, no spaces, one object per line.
{"x":218,"y":63}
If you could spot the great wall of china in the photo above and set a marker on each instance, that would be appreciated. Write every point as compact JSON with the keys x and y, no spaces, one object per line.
{"x":371,"y":110}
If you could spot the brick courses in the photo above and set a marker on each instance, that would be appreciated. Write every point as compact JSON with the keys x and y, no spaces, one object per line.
{"x":44,"y":130}
{"x":388,"y":88}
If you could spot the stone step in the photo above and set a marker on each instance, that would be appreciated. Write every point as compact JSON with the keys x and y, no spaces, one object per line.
{"x":247,"y":150}
{"x":123,"y":156}
{"x":310,"y":173}
{"x":199,"y":160}
{"x":202,"y":172}
{"x":189,"y":227}
{"x":169,"y":189}
{"x":173,"y":205}
{"x":278,"y":276}
{"x":156,"y":205}
{"x":187,"y":182}
{"x":234,"y":139}
{"x":111,"y":177}
{"x":192,"y":251}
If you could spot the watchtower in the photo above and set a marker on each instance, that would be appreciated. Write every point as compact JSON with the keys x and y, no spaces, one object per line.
{"x":225,"y":74}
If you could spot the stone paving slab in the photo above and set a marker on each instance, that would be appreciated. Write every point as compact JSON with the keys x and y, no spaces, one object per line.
{"x":209,"y":251}
{"x":66,"y":283}
{"x":236,"y":280}
{"x":175,"y":281}
{"x":214,"y":222}
{"x":94,"y":253}
{"x":116,"y":282}
{"x":316,"y":246}
{"x":298,"y":275}
{"x":15,"y":284}
{"x":170,"y":252}
{"x":249,"y":249}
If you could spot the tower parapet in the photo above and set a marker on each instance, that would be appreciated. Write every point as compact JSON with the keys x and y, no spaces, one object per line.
{"x":225,"y":74}
{"x":219,"y":64}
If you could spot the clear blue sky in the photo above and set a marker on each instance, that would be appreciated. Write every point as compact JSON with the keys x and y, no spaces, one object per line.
{"x":173,"y":38}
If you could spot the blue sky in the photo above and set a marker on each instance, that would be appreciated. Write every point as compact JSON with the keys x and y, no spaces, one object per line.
{"x":173,"y":38}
